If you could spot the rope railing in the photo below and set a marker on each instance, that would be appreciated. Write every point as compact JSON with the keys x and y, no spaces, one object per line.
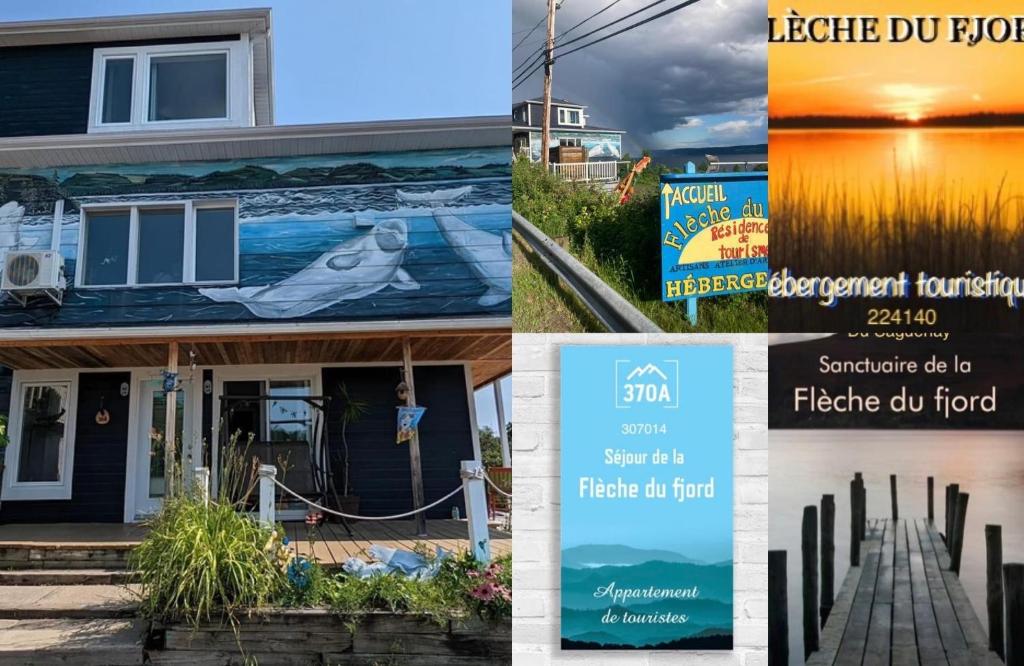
{"x":355,"y":517}
{"x":495,"y":486}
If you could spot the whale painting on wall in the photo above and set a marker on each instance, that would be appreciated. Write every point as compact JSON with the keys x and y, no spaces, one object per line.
{"x":402,"y":235}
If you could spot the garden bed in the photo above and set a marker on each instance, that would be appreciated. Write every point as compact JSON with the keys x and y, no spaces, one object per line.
{"x":289,"y":637}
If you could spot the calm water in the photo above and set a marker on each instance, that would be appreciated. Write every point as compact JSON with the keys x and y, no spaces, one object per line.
{"x":960,"y":161}
{"x":804,"y":465}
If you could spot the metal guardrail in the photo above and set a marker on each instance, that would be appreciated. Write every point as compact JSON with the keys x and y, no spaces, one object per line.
{"x":610,"y":308}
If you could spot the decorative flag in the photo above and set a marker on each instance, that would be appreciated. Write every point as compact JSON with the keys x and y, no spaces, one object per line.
{"x":408,"y":419}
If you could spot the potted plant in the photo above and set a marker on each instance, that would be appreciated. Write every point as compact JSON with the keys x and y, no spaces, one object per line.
{"x":352,"y":410}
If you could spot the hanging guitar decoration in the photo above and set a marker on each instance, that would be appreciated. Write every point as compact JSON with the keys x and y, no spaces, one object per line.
{"x":102,"y":415}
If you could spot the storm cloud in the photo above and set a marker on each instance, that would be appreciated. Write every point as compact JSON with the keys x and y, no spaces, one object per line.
{"x":686,"y":70}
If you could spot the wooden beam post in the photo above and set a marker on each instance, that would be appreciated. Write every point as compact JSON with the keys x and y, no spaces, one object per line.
{"x":475,"y":494}
{"x":809,"y":553}
{"x":778,"y":609}
{"x":954,"y":490}
{"x":994,"y":587}
{"x":499,"y":406}
{"x":170,"y":423}
{"x":828,"y":555}
{"x":268,"y":495}
{"x":549,"y":67}
{"x":1013,"y":611}
{"x":958,"y":531}
{"x":415,"y":463}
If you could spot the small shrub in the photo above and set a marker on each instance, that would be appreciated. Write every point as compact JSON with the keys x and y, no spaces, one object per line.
{"x":201,"y":559}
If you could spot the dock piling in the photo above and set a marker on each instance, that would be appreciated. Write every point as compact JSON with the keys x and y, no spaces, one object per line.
{"x":931,"y":499}
{"x":828,"y":555}
{"x":854,"y":526}
{"x":960,"y":518}
{"x":892,"y":494}
{"x":809,"y":552}
{"x":1013,"y":612}
{"x":994,"y":586}
{"x":863,"y":504}
{"x":778,"y":609}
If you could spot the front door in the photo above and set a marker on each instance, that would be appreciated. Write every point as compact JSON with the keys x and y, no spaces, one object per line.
{"x":149,"y":468}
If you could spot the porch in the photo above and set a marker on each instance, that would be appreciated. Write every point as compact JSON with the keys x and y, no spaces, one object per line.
{"x":47,"y":546}
{"x":108,"y":386}
{"x":601,"y":172}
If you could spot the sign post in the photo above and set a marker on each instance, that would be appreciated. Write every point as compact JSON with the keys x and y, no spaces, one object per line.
{"x":714,"y":235}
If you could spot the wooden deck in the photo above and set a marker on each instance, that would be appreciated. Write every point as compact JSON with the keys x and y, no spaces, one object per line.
{"x":332,"y":546}
{"x":903,"y":606}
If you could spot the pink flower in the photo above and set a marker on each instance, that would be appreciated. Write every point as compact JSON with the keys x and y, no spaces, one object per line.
{"x":473,"y":574}
{"x":485,"y":592}
{"x":504,"y":592}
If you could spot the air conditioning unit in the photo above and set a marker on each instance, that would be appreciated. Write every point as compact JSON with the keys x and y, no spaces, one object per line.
{"x":27,"y":274}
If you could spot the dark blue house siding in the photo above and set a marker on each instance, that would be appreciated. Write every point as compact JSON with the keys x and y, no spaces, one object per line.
{"x":380,"y":473}
{"x":44,"y":90}
{"x":97,"y":492}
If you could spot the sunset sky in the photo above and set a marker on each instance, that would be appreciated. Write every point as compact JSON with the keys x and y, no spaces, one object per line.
{"x":911,"y":80}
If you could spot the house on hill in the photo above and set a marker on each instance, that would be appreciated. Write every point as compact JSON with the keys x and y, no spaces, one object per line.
{"x":573,"y":140}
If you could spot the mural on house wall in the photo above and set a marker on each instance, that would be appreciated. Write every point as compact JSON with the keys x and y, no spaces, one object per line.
{"x":422,"y":234}
{"x":600,"y":146}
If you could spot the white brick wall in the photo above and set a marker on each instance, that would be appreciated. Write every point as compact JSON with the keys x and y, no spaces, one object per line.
{"x":535,"y":485}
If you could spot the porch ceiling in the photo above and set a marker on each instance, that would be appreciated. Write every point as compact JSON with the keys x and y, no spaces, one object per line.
{"x":489,"y":351}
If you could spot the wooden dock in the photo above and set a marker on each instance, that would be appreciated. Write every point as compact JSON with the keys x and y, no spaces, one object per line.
{"x":901,"y":603}
{"x":903,"y":606}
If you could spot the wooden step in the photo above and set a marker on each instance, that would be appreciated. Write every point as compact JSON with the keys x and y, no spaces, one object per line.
{"x":66,"y":577}
{"x":32,"y":555}
{"x":79,"y":602}
{"x":83,"y":642}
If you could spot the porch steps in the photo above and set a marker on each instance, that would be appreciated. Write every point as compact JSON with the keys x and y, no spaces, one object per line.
{"x":66,"y":577}
{"x":42,"y":555}
{"x":70,"y":624}
{"x":92,"y":642}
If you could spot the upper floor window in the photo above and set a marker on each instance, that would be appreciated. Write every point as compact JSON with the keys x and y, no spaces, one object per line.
{"x":569,"y":117}
{"x":170,"y":86}
{"x":158,"y":243}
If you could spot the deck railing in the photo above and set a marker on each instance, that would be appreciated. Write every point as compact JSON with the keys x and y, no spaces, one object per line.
{"x":586,"y":171}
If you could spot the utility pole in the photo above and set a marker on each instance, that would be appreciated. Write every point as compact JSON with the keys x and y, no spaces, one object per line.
{"x":548,"y":66}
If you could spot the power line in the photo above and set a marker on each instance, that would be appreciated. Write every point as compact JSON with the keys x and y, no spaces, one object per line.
{"x":576,"y":39}
{"x":527,"y":35}
{"x":540,"y":50}
{"x":522,"y":79}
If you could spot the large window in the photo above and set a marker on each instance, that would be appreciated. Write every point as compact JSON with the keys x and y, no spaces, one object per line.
{"x":570,"y":117}
{"x":166,"y":243}
{"x":169,"y":85}
{"x":40,"y":455}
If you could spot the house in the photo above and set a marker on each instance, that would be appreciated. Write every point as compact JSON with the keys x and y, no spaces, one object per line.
{"x":176,"y":268}
{"x":569,"y":128}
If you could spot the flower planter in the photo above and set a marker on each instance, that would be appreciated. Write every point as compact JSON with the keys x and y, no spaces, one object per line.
{"x":288,"y":637}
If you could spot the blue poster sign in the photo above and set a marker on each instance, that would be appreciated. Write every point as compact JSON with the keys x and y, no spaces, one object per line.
{"x":714,"y":235}
{"x":647,"y":498}
{"x":408,"y":421}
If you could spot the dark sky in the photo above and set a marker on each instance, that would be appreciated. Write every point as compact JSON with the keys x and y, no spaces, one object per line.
{"x":697,"y":77}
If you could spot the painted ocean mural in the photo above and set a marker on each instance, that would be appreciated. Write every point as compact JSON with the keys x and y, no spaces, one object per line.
{"x":354,"y":237}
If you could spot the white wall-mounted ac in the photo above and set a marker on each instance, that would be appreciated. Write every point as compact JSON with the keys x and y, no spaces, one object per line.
{"x":33,"y":273}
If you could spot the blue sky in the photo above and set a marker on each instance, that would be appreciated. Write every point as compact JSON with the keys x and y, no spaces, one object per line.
{"x":486,"y":413}
{"x":357,"y":60}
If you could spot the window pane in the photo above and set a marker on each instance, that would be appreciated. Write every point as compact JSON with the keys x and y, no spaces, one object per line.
{"x":161,"y":245}
{"x":215,"y":244}
{"x":106,"y":248}
{"x":188,"y":86}
{"x":156,"y":438}
{"x":117,"y":90}
{"x":290,"y":420}
{"x":42,"y":433}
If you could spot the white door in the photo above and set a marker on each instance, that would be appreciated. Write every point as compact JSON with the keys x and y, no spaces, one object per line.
{"x":149,"y":467}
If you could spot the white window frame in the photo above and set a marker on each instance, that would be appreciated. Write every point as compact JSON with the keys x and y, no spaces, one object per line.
{"x":14,"y":490}
{"x":188,"y":270}
{"x":563,"y":114}
{"x":239,"y":98}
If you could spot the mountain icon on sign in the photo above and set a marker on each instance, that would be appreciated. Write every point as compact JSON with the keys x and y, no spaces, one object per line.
{"x":649,"y":369}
